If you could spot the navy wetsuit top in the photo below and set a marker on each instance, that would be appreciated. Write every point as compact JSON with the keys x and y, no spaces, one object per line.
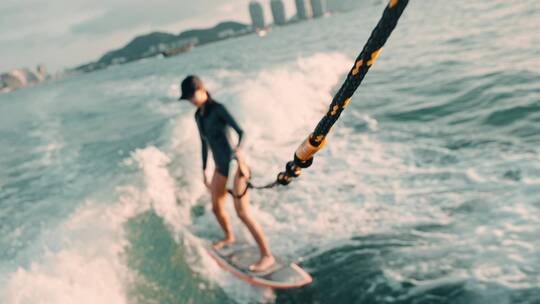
{"x":212,"y":121}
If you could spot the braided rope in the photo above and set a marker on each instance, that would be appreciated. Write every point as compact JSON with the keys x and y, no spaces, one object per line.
{"x":303,"y":157}
{"x":362,"y":64}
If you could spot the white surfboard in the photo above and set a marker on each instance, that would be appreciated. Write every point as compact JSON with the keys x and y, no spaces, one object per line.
{"x":236,"y":259}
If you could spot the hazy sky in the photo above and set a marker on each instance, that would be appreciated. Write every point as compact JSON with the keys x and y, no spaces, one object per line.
{"x":65,"y":33}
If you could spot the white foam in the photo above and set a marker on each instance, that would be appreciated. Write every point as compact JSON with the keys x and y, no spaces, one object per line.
{"x":372,"y":123}
{"x":531,"y":181}
{"x":473,"y":175}
{"x":286,"y":101}
{"x":83,"y":260}
{"x":160,"y":186}
{"x":87,"y":268}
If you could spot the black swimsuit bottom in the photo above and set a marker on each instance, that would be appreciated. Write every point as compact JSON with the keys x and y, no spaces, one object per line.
{"x":212,"y":120}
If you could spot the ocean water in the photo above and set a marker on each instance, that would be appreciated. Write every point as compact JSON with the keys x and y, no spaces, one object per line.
{"x":427,"y":192}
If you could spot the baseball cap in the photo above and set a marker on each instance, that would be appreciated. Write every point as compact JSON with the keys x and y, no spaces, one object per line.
{"x":189,"y":85}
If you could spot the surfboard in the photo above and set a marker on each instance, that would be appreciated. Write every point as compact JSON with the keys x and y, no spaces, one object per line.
{"x":236,"y":259}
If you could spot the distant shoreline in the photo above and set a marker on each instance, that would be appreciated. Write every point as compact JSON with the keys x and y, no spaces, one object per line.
{"x":166,"y":44}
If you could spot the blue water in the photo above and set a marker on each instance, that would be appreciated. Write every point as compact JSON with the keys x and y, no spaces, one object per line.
{"x":428,"y":190}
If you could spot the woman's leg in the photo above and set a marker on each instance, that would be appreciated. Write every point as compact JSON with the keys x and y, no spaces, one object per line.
{"x":219,"y":197}
{"x":242,"y":209}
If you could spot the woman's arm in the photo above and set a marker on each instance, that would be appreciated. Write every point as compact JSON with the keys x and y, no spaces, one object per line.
{"x":204,"y":150}
{"x":223,"y":113}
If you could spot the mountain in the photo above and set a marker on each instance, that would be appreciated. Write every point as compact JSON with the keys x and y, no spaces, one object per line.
{"x":156,"y":43}
{"x":138,"y":47}
{"x":218,"y":32}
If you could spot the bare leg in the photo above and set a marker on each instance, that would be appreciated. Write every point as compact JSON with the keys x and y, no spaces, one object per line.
{"x":242,"y":209}
{"x":219,"y":197}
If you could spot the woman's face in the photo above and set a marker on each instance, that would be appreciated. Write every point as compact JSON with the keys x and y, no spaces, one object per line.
{"x":199,"y":98}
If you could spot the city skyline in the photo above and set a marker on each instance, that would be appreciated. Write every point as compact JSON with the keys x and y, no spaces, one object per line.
{"x":304,"y":9}
{"x":318,"y":8}
{"x":278,"y":12}
{"x":256,"y":13}
{"x":301,"y":9}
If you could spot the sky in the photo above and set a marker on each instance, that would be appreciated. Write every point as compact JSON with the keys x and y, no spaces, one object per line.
{"x":66,"y":33}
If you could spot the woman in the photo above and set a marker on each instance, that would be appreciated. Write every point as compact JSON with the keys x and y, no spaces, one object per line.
{"x":212,"y":120}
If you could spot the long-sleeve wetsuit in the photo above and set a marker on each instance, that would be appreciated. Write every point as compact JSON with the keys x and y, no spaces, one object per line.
{"x":212,"y":121}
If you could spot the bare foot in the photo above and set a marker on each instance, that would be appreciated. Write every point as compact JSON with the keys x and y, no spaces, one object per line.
{"x":225,"y":242}
{"x":263,"y":264}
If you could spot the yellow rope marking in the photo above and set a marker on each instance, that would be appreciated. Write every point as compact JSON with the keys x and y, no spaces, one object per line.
{"x":346,"y":103}
{"x":357,"y":67}
{"x":334,"y":110}
{"x":374,"y":56}
{"x":393,"y":3}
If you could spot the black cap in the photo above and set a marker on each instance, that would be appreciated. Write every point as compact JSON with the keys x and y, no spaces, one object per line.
{"x":189,"y":85}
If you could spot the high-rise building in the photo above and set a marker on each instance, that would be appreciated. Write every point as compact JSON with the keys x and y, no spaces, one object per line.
{"x":301,"y":9}
{"x":318,"y":7}
{"x":278,"y":11}
{"x":257,"y":15}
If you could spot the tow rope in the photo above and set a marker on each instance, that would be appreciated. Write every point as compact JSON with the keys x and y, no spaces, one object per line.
{"x":303,"y":157}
